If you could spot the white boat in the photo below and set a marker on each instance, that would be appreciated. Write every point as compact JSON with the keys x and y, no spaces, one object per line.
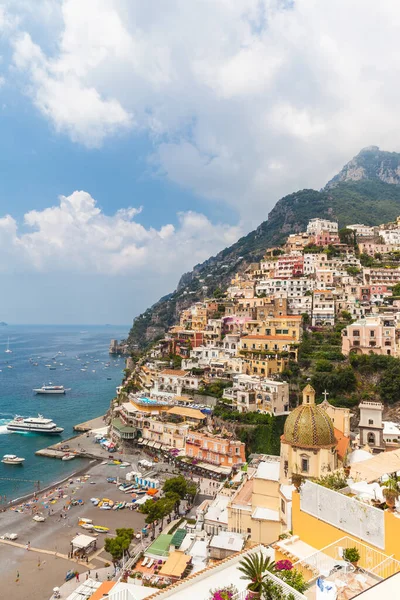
{"x":35,"y":425}
{"x":38,"y":518}
{"x":8,"y":351}
{"x":12,"y":459}
{"x":51,"y":389}
{"x":68,"y":456}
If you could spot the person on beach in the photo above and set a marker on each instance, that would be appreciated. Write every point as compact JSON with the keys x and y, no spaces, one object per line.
{"x":77,"y":576}
{"x":97,"y":576}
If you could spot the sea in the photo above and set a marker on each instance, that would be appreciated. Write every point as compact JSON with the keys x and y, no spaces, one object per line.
{"x":69,"y":349}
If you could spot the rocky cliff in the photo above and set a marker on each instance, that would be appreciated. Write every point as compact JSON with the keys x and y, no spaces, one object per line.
{"x":372,"y":164}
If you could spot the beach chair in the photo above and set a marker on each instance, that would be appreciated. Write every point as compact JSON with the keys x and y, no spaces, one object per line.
{"x":144,"y":563}
{"x":150,"y":563}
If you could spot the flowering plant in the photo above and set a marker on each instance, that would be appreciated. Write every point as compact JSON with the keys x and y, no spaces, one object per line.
{"x":225,"y":593}
{"x":283,"y":565}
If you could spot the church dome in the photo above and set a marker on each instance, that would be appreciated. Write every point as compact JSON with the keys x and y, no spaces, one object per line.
{"x":308,"y":425}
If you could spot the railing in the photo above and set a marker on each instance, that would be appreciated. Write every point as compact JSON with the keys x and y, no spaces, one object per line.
{"x":286,"y":589}
{"x":373,"y":561}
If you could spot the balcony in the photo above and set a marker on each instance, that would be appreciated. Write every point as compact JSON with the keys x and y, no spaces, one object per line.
{"x":373,"y":567}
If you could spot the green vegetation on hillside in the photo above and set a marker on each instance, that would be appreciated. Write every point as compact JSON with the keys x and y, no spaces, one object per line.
{"x":263,"y":437}
{"x":368,"y":201}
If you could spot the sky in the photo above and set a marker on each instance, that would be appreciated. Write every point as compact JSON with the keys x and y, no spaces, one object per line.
{"x":139,"y":138}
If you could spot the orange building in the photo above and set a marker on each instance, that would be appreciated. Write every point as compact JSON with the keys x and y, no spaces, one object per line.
{"x":215,"y":450}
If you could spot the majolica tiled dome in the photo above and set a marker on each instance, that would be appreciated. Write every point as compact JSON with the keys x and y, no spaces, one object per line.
{"x":308,"y":425}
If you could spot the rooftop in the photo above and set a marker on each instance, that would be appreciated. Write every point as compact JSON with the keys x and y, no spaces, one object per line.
{"x":190,"y":413}
{"x":227,"y":540}
{"x":268,"y":470}
{"x":217,"y":510}
{"x":175,"y":564}
{"x":377,"y":466}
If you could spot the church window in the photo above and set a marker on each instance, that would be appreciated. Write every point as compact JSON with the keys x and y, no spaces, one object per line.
{"x":304,"y":465}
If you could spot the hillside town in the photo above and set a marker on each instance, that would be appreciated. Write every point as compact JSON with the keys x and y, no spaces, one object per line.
{"x":322,"y":510}
{"x":254,"y":450}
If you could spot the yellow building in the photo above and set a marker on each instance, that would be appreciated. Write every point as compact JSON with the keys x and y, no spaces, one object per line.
{"x":265,"y":366}
{"x":255,"y":508}
{"x":308,"y":444}
{"x":284,"y":325}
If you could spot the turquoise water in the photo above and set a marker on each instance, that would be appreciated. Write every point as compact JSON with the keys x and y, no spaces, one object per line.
{"x":89,"y":397}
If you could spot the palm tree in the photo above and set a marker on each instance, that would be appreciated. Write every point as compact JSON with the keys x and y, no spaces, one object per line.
{"x":254,"y":568}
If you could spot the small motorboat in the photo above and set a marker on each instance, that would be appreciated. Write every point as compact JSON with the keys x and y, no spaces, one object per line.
{"x":68,"y":456}
{"x":101,"y":529}
{"x":87,"y":526}
{"x":12,"y":459}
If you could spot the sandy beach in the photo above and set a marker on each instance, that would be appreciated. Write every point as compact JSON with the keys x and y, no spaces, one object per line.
{"x":42,"y":569}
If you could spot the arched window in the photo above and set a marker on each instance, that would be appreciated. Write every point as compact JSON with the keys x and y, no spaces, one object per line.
{"x":371,"y":438}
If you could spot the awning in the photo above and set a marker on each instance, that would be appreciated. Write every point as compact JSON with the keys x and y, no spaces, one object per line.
{"x":157,"y":445}
{"x":140,"y":440}
{"x":151,"y":444}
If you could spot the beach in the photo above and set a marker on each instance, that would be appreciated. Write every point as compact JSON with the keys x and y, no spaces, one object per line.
{"x":42,"y":569}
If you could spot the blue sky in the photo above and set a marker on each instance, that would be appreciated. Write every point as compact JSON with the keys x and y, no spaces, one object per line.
{"x":139,"y":138}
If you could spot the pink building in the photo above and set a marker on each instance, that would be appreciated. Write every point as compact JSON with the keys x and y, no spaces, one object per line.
{"x":324,"y":238}
{"x":376,"y":334}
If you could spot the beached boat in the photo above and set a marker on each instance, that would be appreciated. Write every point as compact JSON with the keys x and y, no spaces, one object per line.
{"x":35,"y":425}
{"x":101,"y":529}
{"x":12,"y":459}
{"x":38,"y":518}
{"x":51,"y":389}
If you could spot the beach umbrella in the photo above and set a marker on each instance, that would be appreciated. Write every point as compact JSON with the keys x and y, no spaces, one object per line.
{"x":56,"y":589}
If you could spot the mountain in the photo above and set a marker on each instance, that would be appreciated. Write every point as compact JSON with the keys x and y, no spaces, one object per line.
{"x":371,"y":164}
{"x":364,"y":191}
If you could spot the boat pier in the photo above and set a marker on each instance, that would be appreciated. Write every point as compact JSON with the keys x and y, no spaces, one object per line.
{"x":80,"y":445}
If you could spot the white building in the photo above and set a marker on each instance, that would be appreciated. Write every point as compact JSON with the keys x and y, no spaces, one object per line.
{"x":285,"y":288}
{"x":390,"y":236}
{"x":361,"y":230}
{"x":317,"y":226}
{"x":250,"y":393}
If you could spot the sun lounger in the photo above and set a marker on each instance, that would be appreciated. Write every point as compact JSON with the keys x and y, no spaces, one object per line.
{"x":144,"y":563}
{"x":150,"y":563}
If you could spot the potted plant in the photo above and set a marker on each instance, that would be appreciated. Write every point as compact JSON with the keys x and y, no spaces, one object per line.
{"x":391,"y":492}
{"x":254,"y":568}
{"x":225,"y":593}
{"x":352,"y":555}
{"x":297,"y":481}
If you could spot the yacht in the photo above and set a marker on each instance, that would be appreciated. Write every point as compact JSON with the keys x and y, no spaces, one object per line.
{"x":8,"y":351}
{"x":12,"y":459}
{"x":34,"y":424}
{"x":51,"y":389}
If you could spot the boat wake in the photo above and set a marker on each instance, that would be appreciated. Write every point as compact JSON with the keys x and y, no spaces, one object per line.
{"x":3,"y":426}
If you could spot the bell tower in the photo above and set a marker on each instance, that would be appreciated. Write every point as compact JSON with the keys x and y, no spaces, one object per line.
{"x":371,"y":425}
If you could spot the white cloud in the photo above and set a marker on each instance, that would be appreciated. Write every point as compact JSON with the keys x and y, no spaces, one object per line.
{"x":227,"y":90}
{"x":77,"y":237}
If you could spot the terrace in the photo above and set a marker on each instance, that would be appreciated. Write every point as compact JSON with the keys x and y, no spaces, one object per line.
{"x":327,"y":569}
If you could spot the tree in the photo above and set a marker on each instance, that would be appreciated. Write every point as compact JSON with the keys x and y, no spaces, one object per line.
{"x":396,"y":289}
{"x":390,"y":383}
{"x":120,"y":544}
{"x":254,"y":568}
{"x":348,"y":236}
{"x":153,"y":510}
{"x":178,"y":486}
